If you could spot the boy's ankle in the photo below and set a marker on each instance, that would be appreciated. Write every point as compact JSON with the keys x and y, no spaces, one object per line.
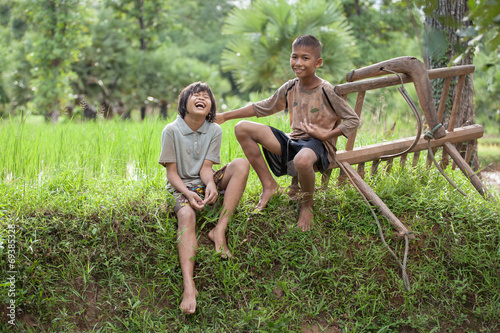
{"x":307,"y":204}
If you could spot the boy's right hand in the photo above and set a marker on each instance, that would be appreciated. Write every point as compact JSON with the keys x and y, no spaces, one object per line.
{"x":194,"y":200}
{"x":219,"y":118}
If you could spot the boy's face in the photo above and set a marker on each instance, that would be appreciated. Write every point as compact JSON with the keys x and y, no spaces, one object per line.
{"x":304,"y":61}
{"x":199,"y":104}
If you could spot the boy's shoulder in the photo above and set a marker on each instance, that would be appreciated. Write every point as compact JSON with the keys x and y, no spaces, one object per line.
{"x":290,"y":84}
{"x":172,"y":125}
{"x":327,"y":84}
{"x":213,"y":126}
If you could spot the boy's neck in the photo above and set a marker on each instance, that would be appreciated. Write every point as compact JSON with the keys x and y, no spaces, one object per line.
{"x":310,"y":83}
{"x":194,"y":123}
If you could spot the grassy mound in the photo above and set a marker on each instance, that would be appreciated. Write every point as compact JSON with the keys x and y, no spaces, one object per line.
{"x":100,"y":256}
{"x":95,"y":250}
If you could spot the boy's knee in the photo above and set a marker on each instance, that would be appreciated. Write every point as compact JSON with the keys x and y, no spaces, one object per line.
{"x":304,"y":161}
{"x":186,"y":217}
{"x":242,"y":166}
{"x":241,"y":128}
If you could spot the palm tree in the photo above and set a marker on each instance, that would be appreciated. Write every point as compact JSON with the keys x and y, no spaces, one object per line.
{"x":262,"y":34}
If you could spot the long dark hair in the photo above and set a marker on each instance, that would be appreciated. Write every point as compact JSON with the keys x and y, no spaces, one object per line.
{"x":192,"y":89}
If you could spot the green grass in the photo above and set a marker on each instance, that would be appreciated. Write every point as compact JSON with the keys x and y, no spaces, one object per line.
{"x":96,"y":250}
{"x":489,"y":151}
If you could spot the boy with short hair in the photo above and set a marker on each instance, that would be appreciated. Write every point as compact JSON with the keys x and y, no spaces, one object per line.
{"x":190,"y":146}
{"x":315,"y":113}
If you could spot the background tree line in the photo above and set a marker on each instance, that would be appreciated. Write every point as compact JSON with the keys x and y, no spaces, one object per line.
{"x":112,"y":57}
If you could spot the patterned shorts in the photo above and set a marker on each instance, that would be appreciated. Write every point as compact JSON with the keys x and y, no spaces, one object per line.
{"x":181,"y":200}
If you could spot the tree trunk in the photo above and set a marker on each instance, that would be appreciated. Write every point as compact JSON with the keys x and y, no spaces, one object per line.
{"x":88,"y":111}
{"x":52,"y":117}
{"x":443,"y":46}
{"x":52,"y":114}
{"x":69,"y":111}
{"x":358,"y":7}
{"x":140,"y":6}
{"x":107,"y":110}
{"x":143,"y":112}
{"x":163,"y":109}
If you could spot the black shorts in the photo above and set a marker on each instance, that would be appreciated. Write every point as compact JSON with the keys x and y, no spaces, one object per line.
{"x":290,"y":148}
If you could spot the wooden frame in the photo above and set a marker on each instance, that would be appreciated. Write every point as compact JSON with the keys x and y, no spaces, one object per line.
{"x":409,"y":69}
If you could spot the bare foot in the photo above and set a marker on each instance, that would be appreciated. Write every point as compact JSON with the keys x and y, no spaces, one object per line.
{"x":305,"y":217}
{"x":188,"y":304}
{"x":219,"y":240}
{"x":265,"y":196}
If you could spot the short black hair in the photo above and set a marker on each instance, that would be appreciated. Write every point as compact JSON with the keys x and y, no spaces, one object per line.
{"x":192,"y":89}
{"x":308,"y":41}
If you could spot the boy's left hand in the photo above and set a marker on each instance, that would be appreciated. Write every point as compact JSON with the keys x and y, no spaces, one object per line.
{"x":211,"y":194}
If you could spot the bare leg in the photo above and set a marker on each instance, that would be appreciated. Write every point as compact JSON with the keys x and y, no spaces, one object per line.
{"x":250,"y":135}
{"x":186,"y":236}
{"x":304,"y":164}
{"x":234,"y":182}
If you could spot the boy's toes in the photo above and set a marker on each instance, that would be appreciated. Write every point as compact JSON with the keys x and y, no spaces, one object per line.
{"x":188,"y":304}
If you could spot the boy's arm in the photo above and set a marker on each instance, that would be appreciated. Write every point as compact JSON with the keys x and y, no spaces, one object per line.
{"x":350,"y":120}
{"x":207,"y":177}
{"x":273,"y":104}
{"x":244,"y":112}
{"x":177,"y":183}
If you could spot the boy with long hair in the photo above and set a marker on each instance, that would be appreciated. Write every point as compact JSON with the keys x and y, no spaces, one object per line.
{"x":190,"y":146}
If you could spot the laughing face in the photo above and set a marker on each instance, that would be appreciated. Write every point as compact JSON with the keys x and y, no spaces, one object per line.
{"x":199,"y":104}
{"x":197,"y":100}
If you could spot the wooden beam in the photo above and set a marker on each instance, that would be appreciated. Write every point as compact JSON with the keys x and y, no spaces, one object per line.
{"x":441,"y":73}
{"x":375,"y":151}
{"x":420,"y":77}
{"x":393,"y":80}
{"x":466,"y":169}
{"x":359,"y":106}
{"x":444,"y":98}
{"x":371,"y":196}
{"x":456,"y":103}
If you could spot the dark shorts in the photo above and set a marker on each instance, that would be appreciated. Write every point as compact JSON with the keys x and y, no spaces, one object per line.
{"x":181,"y":200}
{"x":290,"y":148}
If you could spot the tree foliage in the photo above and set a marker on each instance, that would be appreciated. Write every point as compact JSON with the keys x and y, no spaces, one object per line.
{"x":258,"y":54}
{"x":486,"y":15}
{"x":198,"y":29}
{"x":57,"y":33}
{"x":485,"y":39}
{"x":144,"y":23}
{"x":124,"y":54}
{"x":383,"y":30}
{"x":123,"y":71}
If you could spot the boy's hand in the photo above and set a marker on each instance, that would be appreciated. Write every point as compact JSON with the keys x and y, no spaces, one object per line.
{"x":219,"y":118}
{"x":315,"y":131}
{"x":211,"y":194}
{"x":195,"y":200}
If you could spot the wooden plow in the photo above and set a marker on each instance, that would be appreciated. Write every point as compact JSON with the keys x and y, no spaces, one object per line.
{"x":406,"y":70}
